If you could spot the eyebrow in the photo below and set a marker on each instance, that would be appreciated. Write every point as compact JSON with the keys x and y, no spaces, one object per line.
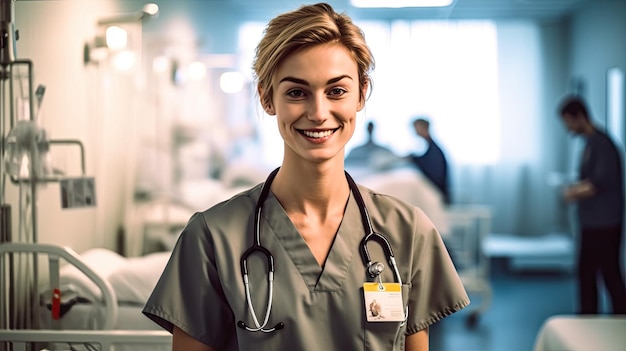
{"x":304,"y":82}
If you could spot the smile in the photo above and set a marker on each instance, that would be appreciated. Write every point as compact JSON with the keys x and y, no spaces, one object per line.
{"x":317,"y":134}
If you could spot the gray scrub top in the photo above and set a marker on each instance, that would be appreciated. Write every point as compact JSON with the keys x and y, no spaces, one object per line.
{"x":201,"y":290}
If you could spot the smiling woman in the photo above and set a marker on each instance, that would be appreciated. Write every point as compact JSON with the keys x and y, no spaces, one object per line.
{"x":291,"y":244}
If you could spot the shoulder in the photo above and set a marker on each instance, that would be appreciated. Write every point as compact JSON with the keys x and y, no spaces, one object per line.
{"x":378,"y":198}
{"x":244,"y":201}
{"x":436,"y":146}
{"x":228,"y":214}
{"x":384,"y":207}
{"x":600,"y":137}
{"x":220,"y":227}
{"x":601,"y":140}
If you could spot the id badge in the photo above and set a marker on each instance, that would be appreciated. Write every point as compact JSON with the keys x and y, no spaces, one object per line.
{"x":383,"y":302}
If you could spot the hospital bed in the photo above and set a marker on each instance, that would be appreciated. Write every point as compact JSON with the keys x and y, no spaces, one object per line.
{"x":93,"y":299}
{"x":582,"y":333}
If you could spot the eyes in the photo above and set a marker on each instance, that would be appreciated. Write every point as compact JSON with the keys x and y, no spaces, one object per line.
{"x":300,"y":93}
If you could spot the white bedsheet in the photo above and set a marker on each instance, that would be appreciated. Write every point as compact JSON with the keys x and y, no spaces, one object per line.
{"x":582,"y":333}
{"x":132,"y":279}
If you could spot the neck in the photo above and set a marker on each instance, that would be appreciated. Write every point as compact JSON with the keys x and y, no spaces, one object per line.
{"x":303,"y":189}
{"x":589,"y":129}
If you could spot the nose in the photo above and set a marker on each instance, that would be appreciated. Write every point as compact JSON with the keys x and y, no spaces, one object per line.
{"x":318,"y":109}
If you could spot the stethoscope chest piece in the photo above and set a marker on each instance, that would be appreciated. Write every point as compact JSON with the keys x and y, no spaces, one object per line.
{"x":375,"y":269}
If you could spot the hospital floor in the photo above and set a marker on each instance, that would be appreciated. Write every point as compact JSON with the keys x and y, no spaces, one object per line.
{"x":521,"y":302}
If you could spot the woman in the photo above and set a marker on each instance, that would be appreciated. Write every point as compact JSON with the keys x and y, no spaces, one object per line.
{"x":312,"y":68}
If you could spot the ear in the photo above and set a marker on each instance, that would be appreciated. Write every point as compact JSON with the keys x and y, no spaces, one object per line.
{"x":361,"y":104}
{"x":268,"y":107}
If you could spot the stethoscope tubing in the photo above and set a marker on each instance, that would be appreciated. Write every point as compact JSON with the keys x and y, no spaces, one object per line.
{"x":367,"y":223}
{"x":257,"y":247}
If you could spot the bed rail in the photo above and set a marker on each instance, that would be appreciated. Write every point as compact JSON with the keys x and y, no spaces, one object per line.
{"x":107,"y":339}
{"x":55,"y":252}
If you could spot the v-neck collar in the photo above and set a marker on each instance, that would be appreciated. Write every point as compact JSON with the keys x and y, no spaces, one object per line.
{"x":342,"y":252}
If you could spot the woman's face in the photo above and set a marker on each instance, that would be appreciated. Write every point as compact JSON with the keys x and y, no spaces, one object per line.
{"x":316,"y":99}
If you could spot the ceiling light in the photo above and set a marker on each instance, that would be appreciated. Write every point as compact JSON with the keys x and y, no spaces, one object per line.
{"x":400,"y":3}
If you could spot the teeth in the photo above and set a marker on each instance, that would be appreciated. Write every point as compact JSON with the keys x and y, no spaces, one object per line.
{"x":317,"y":134}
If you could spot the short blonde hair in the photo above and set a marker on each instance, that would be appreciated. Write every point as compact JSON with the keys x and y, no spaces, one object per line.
{"x":308,"y":26}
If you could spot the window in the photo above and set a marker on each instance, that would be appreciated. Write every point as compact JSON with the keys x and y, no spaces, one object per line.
{"x":445,"y":70}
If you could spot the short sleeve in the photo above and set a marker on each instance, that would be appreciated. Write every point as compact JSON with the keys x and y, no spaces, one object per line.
{"x":188,"y":294}
{"x":436,"y":288}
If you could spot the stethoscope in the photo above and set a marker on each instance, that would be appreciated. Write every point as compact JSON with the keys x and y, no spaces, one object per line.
{"x":373,"y":268}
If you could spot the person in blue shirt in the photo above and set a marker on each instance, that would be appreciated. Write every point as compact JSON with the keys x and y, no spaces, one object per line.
{"x":433,"y":162}
{"x":599,"y":196}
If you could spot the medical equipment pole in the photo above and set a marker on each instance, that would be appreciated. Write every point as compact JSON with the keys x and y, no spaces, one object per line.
{"x":7,"y":54}
{"x":19,"y":303}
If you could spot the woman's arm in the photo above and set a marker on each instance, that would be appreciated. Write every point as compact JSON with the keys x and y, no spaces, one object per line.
{"x":182,"y":341}
{"x":417,"y":341}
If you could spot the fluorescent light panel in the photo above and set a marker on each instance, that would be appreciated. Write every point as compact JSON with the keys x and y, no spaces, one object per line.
{"x":400,"y":3}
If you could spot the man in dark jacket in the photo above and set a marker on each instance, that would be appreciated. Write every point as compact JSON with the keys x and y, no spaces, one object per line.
{"x":599,"y":195}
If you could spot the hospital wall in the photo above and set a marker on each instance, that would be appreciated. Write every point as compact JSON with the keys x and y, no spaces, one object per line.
{"x":53,"y":35}
{"x":597,"y":46}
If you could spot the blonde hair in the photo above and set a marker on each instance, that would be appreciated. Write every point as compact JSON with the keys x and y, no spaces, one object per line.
{"x":308,"y":26}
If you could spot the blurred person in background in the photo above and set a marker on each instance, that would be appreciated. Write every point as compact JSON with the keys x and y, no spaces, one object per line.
{"x":599,"y":196}
{"x":433,"y":162}
{"x":371,"y":154}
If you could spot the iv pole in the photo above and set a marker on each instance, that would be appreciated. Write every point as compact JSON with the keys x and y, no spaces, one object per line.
{"x":16,"y":315}
{"x":8,"y":62}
